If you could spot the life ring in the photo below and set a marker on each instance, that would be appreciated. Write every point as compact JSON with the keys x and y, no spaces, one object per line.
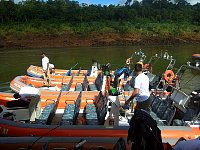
{"x":128,"y":61}
{"x":168,"y":75}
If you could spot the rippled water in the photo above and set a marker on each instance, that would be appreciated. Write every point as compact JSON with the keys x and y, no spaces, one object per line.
{"x":14,"y":62}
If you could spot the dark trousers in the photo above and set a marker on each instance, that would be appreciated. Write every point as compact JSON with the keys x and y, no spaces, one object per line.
{"x":145,"y":105}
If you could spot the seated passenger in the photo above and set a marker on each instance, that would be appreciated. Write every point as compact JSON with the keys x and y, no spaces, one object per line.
{"x":183,"y":144}
{"x":30,"y":97}
{"x":33,"y":94}
{"x":19,"y":102}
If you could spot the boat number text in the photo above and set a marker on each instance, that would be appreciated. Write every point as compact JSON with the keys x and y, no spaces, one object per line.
{"x":17,"y":85}
{"x":3,"y":131}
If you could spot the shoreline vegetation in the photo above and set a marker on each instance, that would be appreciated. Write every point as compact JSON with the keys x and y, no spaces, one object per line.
{"x":61,"y":23}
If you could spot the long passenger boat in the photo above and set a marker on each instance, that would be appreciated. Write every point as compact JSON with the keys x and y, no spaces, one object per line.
{"x":36,"y":71}
{"x":94,"y":70}
{"x":67,"y":83}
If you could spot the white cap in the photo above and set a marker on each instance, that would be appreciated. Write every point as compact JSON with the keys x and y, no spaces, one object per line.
{"x":51,"y":66}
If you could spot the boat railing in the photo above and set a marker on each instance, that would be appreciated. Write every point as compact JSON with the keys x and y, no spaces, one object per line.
{"x":99,"y":81}
{"x":79,"y":86}
{"x":166,"y":56}
{"x":138,"y":53}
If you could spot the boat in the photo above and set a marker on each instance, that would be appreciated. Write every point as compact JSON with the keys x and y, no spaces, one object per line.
{"x":36,"y":71}
{"x":94,"y":70}
{"x":184,"y":97}
{"x":66,"y":83}
{"x":62,"y":143}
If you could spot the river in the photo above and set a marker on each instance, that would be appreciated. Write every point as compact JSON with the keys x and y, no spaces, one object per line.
{"x":14,"y":62}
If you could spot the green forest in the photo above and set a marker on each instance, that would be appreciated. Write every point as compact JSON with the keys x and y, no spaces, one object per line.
{"x":146,"y":18}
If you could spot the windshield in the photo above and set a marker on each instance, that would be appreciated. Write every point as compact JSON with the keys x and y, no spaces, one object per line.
{"x":159,"y":65}
{"x":189,"y":80}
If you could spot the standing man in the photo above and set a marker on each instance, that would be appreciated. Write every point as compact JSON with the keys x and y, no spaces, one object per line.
{"x":141,"y":89}
{"x":45,"y":68}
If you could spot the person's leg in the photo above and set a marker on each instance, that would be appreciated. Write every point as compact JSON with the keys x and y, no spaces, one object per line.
{"x":144,"y":105}
{"x":35,"y":107}
{"x":46,"y":76}
{"x":38,"y":106}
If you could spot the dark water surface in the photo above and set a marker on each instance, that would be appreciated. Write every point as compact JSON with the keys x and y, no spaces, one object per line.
{"x":14,"y":62}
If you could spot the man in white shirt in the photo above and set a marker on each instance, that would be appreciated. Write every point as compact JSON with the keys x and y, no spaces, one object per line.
{"x":141,"y":90}
{"x":45,"y":68}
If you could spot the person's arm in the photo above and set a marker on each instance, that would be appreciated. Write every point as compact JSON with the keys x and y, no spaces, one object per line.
{"x":135,"y":92}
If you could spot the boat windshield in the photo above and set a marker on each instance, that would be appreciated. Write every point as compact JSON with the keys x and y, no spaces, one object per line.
{"x":189,"y":82}
{"x":159,"y":65}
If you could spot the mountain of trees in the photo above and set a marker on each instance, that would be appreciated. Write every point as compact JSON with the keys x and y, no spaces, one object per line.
{"x":72,"y":11}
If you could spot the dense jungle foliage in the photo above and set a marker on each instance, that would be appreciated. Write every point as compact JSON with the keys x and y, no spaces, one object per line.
{"x":147,"y":17}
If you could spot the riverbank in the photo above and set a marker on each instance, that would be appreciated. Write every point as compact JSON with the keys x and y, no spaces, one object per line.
{"x":92,"y":39}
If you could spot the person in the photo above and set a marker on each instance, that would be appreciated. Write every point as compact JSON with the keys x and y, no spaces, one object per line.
{"x":18,"y":102}
{"x":122,"y":74}
{"x":141,"y":89}
{"x":30,"y":97}
{"x":52,"y":69}
{"x":143,"y":132}
{"x":45,"y":69}
{"x":128,"y":62}
{"x":183,"y":144}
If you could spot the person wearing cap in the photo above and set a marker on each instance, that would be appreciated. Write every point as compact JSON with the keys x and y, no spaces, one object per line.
{"x":141,"y":89}
{"x":52,"y":69}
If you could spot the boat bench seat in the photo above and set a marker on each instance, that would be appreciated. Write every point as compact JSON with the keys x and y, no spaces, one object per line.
{"x":65,"y":87}
{"x":91,"y":114}
{"x":46,"y":115}
{"x":92,"y":87}
{"x":127,"y":87}
{"x":79,"y":87}
{"x":162,"y":111}
{"x":69,"y":115}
